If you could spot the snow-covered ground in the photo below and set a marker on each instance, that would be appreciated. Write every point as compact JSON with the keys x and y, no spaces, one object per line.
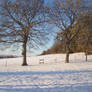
{"x":52,"y":76}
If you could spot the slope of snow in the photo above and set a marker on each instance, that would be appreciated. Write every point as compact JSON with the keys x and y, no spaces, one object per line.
{"x":52,"y":76}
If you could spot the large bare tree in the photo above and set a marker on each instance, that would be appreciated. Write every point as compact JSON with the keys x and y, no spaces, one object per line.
{"x":64,"y":14}
{"x":22,"y":19}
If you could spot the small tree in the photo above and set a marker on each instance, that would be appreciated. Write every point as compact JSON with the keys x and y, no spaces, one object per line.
{"x":85,"y":36}
{"x":22,"y":20}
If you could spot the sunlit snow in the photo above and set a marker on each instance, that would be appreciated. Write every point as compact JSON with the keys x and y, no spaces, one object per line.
{"x":52,"y":76}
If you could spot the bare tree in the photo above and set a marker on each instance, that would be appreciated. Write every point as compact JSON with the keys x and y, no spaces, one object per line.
{"x":22,"y":19}
{"x":85,"y":36}
{"x":64,"y":14}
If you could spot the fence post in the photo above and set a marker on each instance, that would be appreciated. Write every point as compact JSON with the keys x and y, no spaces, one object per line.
{"x":6,"y":63}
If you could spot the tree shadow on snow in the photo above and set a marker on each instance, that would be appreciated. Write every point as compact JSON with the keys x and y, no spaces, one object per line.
{"x":45,"y":73}
{"x":65,"y":88}
{"x":80,"y":87}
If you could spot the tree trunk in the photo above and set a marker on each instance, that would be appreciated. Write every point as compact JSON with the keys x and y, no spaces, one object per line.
{"x":67,"y":57}
{"x":86,"y":52}
{"x":24,"y":54}
{"x":67,"y":53}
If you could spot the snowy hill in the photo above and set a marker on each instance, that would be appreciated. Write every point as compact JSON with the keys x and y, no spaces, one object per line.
{"x":51,"y":76}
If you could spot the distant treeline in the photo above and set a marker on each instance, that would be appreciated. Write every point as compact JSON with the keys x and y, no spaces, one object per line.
{"x":5,"y":56}
{"x":58,"y":47}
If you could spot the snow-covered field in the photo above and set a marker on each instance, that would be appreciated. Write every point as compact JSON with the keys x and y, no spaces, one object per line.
{"x":52,"y":76}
